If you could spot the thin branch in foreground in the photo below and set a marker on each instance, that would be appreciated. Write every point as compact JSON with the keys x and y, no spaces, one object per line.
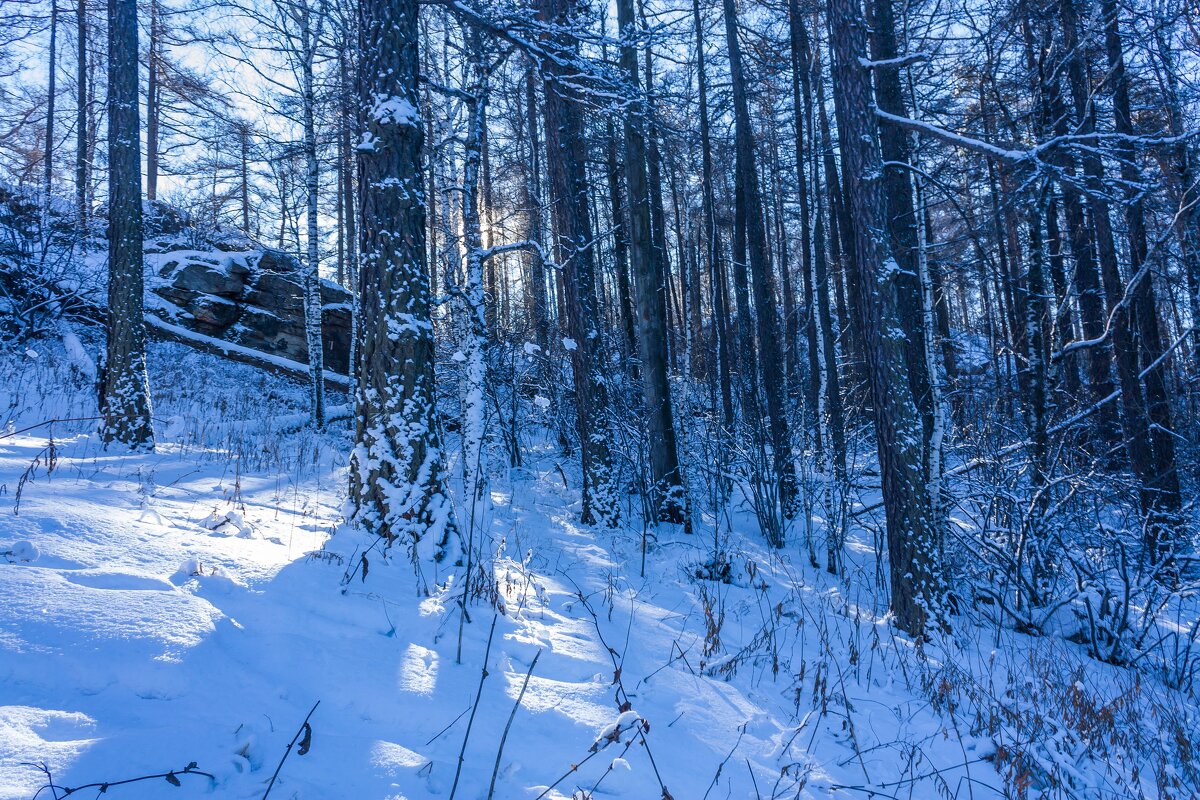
{"x":171,"y":777}
{"x":306,"y":730}
{"x":483,"y":673}
{"x":508,"y":725}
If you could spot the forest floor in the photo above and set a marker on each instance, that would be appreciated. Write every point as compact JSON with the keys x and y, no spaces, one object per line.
{"x":196,"y":603}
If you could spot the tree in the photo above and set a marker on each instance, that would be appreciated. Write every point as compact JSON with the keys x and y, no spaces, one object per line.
{"x":565,"y":167}
{"x":310,"y":35}
{"x":125,"y":388}
{"x":645,"y":257}
{"x":750,"y":216}
{"x":722,"y":354}
{"x":82,"y":101}
{"x":397,"y":475}
{"x":1160,"y":491}
{"x":912,"y":539}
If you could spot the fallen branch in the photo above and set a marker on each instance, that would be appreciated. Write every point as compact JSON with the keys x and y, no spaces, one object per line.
{"x":49,"y":422}
{"x":239,"y":353}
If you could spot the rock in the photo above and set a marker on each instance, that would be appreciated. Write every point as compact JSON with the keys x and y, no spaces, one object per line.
{"x":215,"y":312}
{"x":252,"y":296}
{"x":205,"y":278}
{"x":271,"y":260}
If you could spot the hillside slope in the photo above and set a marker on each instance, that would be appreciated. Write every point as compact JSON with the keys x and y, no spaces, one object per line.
{"x":195,"y":604}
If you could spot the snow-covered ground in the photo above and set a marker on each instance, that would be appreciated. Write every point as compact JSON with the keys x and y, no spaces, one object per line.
{"x":195,"y":604}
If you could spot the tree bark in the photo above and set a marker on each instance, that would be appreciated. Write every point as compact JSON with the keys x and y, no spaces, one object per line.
{"x":912,"y":539}
{"x":125,"y":386}
{"x":1160,"y":491}
{"x":51,"y":98}
{"x":901,"y":216}
{"x":1093,"y":314}
{"x":312,"y":183}
{"x":152,"y":105}
{"x":539,"y":302}
{"x":625,"y":312}
{"x":473,"y":298}
{"x":722,"y":353}
{"x":82,"y":147}
{"x":646,"y":247}
{"x":772,"y":366}
{"x":566,"y":158}
{"x":397,"y":475}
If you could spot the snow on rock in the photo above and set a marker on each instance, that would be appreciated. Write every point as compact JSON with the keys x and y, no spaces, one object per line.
{"x":241,"y":292}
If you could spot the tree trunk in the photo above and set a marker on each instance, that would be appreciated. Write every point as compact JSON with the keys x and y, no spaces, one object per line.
{"x":51,"y":98}
{"x":539,"y":304}
{"x":613,"y":169}
{"x":912,"y":539}
{"x":645,"y":251}
{"x":1093,"y":315}
{"x":397,"y":477}
{"x":1187,"y":199}
{"x":1161,"y":500}
{"x":125,"y":387}
{"x":312,"y":181}
{"x":801,"y":105}
{"x":152,"y":105}
{"x":81,"y":118}
{"x":722,"y":353}
{"x":566,"y":158}
{"x":901,"y":216}
{"x":827,"y":393}
{"x":473,"y":298}
{"x":772,"y":366}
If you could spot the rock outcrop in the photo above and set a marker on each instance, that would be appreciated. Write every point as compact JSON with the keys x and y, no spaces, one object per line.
{"x":240,"y":292}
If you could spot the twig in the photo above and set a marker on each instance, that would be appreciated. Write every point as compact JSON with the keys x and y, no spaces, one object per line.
{"x":170,"y":777}
{"x":305,"y":729}
{"x":49,"y":422}
{"x":448,"y":727}
{"x":567,"y":774}
{"x":721,"y":766}
{"x":504,"y":736}
{"x":483,"y":673}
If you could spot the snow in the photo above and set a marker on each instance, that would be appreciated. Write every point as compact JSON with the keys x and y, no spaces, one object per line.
{"x":394,"y":110}
{"x":23,"y":550}
{"x":192,"y":604}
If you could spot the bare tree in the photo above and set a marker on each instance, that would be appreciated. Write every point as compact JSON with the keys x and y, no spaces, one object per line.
{"x":912,"y":539}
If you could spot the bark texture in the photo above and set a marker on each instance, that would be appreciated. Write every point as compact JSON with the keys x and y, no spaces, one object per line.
{"x":397,"y":471}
